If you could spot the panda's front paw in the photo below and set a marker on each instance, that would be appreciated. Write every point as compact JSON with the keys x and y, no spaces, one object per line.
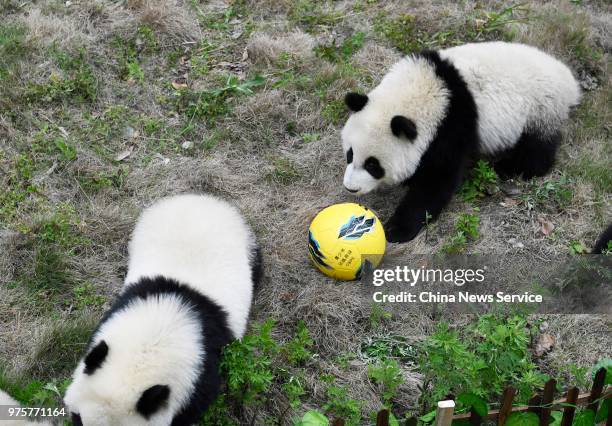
{"x":400,"y":230}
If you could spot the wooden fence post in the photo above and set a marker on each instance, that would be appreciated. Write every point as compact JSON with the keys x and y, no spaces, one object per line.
{"x":382,"y":418}
{"x":547,"y":399}
{"x":444,"y":413}
{"x":475,"y":418}
{"x":569,"y":411}
{"x":598,"y":385}
{"x":534,"y":404}
{"x":506,"y":407}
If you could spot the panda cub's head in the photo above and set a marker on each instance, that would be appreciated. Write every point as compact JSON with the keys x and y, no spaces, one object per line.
{"x":389,"y":129}
{"x":141,"y":366}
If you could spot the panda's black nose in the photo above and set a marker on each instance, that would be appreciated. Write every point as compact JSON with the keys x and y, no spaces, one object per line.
{"x":351,"y":190}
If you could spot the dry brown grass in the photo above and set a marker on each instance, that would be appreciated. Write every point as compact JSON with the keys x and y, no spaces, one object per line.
{"x":283,"y":120}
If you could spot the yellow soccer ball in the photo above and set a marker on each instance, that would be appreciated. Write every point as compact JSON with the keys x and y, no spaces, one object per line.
{"x":342,"y":237}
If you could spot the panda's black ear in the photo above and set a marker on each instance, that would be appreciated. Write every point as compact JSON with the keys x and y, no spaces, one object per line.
{"x":355,"y":101}
{"x":96,"y":357}
{"x":401,"y":125}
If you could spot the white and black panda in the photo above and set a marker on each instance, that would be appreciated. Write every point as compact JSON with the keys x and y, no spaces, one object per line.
{"x":154,"y":358}
{"x":435,"y":111}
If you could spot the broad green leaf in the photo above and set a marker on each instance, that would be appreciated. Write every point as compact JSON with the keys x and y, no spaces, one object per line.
{"x":313,"y":418}
{"x":556,"y":416}
{"x":429,"y":417}
{"x":604,"y":409}
{"x":392,"y":420}
{"x":584,"y":418}
{"x":470,"y":400}
{"x":523,"y":418}
{"x":607,"y":364}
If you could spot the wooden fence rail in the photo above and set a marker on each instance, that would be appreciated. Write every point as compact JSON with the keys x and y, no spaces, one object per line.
{"x":542,"y":404}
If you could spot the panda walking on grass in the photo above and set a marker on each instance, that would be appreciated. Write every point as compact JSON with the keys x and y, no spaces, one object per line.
{"x":154,"y":358}
{"x":434,"y":112}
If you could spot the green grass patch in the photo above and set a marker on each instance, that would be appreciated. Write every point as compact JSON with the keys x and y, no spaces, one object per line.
{"x":129,"y":52}
{"x":211,"y":104}
{"x":284,"y":172}
{"x":35,"y":393}
{"x":408,"y":34}
{"x":94,"y":182}
{"x":77,"y":84}
{"x":53,"y":242}
{"x":61,"y":347}
{"x":401,"y":32}
{"x":311,"y":15}
{"x":338,"y":53}
{"x":85,"y":296}
{"x":335,"y":111}
{"x":13,"y":47}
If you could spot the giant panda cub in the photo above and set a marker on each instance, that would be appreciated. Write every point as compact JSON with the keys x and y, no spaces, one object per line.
{"x":435,"y":111}
{"x":154,"y":358}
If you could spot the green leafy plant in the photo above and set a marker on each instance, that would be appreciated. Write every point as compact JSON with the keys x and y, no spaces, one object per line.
{"x":312,"y":418}
{"x":480,"y":180}
{"x":489,"y":355}
{"x":246,"y":364}
{"x":294,"y":390}
{"x":576,"y":247}
{"x":378,"y":315}
{"x":216,"y":414}
{"x":552,"y":194}
{"x":134,"y":71}
{"x":389,"y":375}
{"x":78,"y":83}
{"x":379,"y":348}
{"x":466,"y":229}
{"x":442,"y":349}
{"x":341,"y":405}
{"x":297,"y":350}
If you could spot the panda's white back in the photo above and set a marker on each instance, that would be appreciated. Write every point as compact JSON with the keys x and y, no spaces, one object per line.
{"x":515,"y":87}
{"x":200,"y":241}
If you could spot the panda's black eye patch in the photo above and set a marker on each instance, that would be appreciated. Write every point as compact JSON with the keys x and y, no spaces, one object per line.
{"x":373,"y":167}
{"x":403,"y":126}
{"x":349,"y":156}
{"x":152,"y":400}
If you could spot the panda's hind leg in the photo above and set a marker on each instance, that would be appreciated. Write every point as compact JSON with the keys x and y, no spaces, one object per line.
{"x":533,"y":155}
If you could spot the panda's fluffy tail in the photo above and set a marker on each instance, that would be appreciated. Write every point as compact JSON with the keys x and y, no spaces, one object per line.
{"x":6,"y":399}
{"x":604,"y":241}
